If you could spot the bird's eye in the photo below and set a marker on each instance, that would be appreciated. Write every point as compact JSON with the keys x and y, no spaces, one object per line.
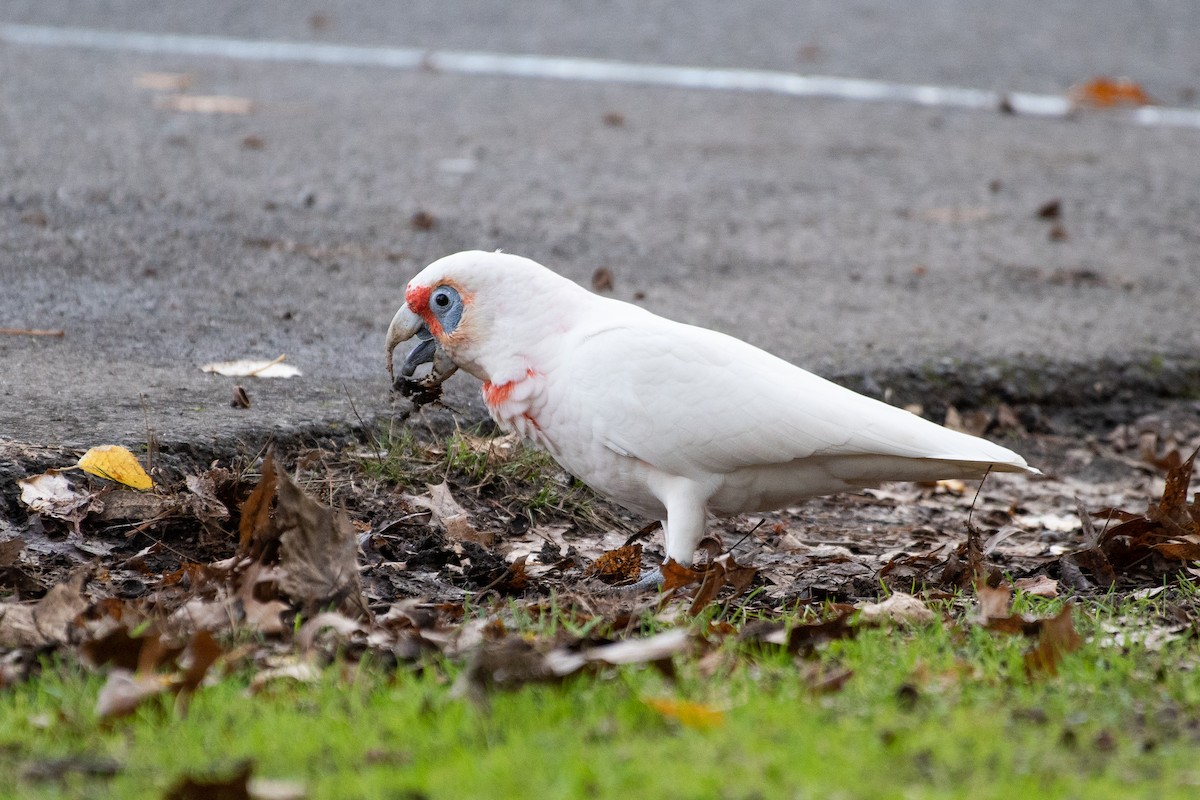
{"x":441,"y":300}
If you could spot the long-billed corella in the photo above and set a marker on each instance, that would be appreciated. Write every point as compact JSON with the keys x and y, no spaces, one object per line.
{"x":671,"y":421}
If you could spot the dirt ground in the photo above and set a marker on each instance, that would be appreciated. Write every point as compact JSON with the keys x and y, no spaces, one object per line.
{"x":451,"y":520}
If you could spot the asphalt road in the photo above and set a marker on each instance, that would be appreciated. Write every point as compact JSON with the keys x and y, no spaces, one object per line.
{"x":853,"y":238}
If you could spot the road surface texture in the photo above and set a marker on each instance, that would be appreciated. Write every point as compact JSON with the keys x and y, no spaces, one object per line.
{"x":890,"y":244}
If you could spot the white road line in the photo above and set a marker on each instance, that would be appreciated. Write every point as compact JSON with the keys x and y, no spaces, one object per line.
{"x":578,"y":69}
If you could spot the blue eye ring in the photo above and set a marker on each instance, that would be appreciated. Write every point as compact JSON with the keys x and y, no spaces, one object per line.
{"x":447,"y":306}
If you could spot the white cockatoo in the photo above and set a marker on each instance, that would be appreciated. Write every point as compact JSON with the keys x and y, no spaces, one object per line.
{"x":671,"y":421}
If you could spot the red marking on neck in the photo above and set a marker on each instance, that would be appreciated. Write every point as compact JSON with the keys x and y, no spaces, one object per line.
{"x":495,"y":394}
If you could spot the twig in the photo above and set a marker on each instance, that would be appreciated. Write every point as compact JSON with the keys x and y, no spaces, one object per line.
{"x":747,"y":536}
{"x":266,"y":366}
{"x":374,"y":442}
{"x":975,"y":499}
{"x":32,"y":332}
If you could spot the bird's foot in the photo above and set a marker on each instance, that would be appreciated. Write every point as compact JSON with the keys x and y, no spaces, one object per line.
{"x":651,"y":581}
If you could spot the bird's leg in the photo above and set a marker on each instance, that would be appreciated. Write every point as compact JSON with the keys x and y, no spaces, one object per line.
{"x":686,"y":512}
{"x":651,"y":581}
{"x":682,"y":529}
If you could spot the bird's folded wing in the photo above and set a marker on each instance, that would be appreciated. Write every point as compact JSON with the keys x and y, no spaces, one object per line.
{"x":689,"y":400}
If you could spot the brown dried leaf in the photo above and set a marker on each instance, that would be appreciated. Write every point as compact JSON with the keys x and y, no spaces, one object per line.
{"x":117,"y":646}
{"x":49,"y":621}
{"x":803,"y":639}
{"x":899,"y":607}
{"x":722,"y":571}
{"x":234,"y":787}
{"x":254,"y":529}
{"x":821,"y":680}
{"x":1056,"y":637}
{"x":204,"y":103}
{"x":508,"y":663}
{"x":623,"y":565}
{"x":124,"y":691}
{"x":201,"y":653}
{"x":994,"y":601}
{"x":1174,"y":500}
{"x":602,"y":280}
{"x":204,"y":502}
{"x":10,"y":551}
{"x":676,"y":576}
{"x":319,"y":552}
{"x":1178,"y":551}
{"x":453,"y":518}
{"x":973,"y":422}
{"x":1038,"y":586}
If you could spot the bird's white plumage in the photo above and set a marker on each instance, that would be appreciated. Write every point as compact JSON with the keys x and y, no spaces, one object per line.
{"x":673,"y":420}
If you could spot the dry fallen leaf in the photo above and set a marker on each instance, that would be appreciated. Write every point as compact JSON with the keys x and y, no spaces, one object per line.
{"x":204,"y":103}
{"x":251,"y":368}
{"x":52,"y":494}
{"x":233,"y":787}
{"x":602,"y":279}
{"x":124,"y":691}
{"x":900,"y":607}
{"x":647,"y":650}
{"x":452,"y":517}
{"x":115,"y":463}
{"x":164,"y":81}
{"x":49,"y":621}
{"x":254,"y":529}
{"x":1038,"y":586}
{"x":318,"y":553}
{"x":622,"y":565}
{"x":1056,"y":637}
{"x":687,"y":713}
{"x":676,"y":576}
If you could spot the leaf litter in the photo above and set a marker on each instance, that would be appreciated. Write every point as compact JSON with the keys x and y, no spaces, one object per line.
{"x":444,"y":552}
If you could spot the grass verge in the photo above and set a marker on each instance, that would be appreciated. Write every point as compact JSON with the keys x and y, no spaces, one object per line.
{"x":933,"y":710}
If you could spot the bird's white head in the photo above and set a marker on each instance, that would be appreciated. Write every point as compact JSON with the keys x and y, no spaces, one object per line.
{"x":490,"y":313}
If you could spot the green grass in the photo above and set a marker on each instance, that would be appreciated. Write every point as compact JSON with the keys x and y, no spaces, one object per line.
{"x":929,"y":712}
{"x":524,"y":480}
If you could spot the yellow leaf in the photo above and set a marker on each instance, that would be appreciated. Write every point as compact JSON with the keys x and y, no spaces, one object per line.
{"x":687,"y":713}
{"x":117,"y":464}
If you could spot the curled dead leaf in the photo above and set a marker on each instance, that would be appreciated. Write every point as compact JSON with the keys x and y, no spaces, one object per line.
{"x":53,"y":495}
{"x":899,"y":607}
{"x":251,"y":368}
{"x":1056,"y":638}
{"x":318,"y":552}
{"x":115,"y":463}
{"x":49,"y":621}
{"x":622,"y":565}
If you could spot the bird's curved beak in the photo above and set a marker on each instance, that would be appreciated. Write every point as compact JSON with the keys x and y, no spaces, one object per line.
{"x":405,"y":325}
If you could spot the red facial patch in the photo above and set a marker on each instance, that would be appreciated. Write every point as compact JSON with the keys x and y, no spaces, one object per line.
{"x":417,"y":300}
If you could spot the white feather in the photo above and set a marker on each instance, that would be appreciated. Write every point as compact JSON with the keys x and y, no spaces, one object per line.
{"x":672,"y":420}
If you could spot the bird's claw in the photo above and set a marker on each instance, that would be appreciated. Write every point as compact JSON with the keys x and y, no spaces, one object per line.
{"x":651,"y":581}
